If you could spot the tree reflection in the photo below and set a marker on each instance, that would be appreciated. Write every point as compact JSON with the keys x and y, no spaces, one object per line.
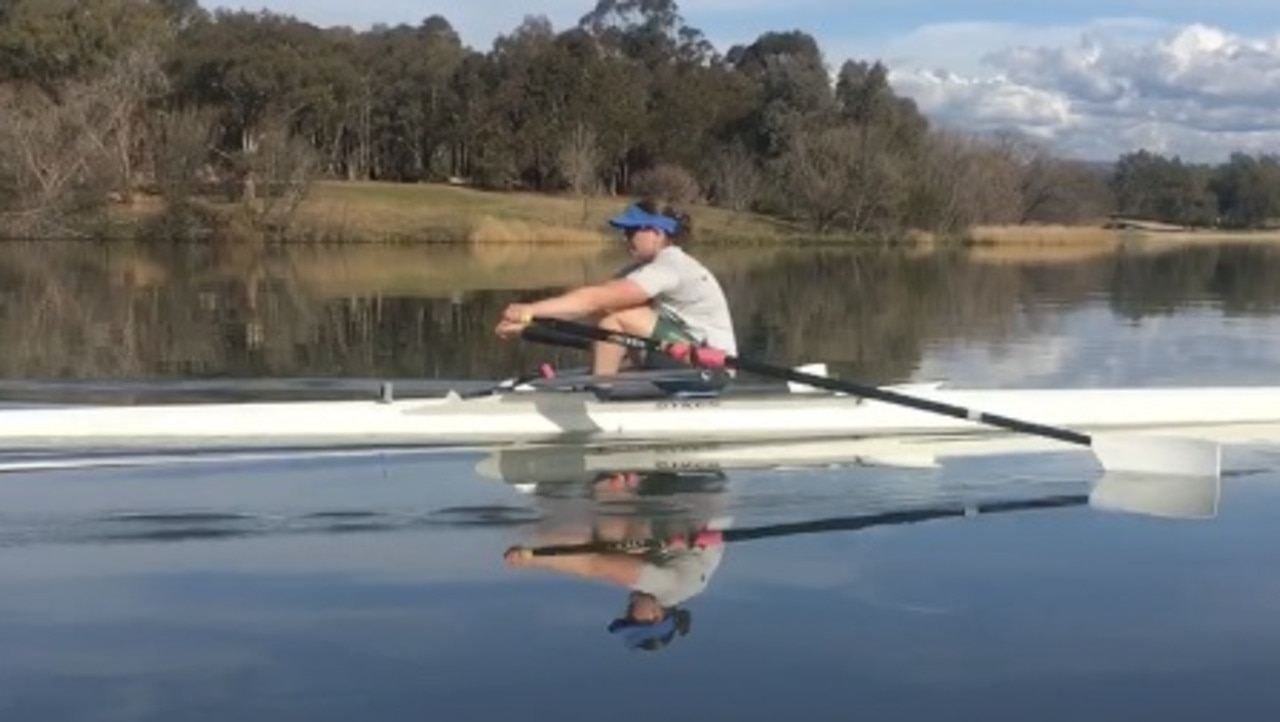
{"x":128,"y":311}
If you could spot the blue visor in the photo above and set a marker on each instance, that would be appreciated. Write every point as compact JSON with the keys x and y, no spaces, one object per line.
{"x":634,"y":635}
{"x":635,"y":217}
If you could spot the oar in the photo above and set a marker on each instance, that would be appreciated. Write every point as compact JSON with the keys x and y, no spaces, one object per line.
{"x":707,"y":538}
{"x":535,"y":334}
{"x":1118,"y":453}
{"x":1187,"y":498}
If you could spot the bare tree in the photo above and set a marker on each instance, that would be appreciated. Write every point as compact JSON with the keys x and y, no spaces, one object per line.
{"x":1050,"y":189}
{"x":819,"y":170}
{"x":667,"y":182}
{"x":963,"y":181}
{"x":579,"y":160}
{"x":837,"y":183}
{"x":182,"y":144}
{"x":286,"y":165}
{"x":65,"y":153}
{"x":736,"y":179}
{"x":53,"y":159}
{"x":136,"y":78}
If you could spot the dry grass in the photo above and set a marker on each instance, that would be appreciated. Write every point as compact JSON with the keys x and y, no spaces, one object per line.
{"x":382,"y":211}
{"x":1211,"y":236}
{"x":378,"y":212}
{"x":1084,"y":234}
{"x":488,"y":230}
{"x":1020,"y":244}
{"x":1042,"y":243}
{"x":1045,"y":235}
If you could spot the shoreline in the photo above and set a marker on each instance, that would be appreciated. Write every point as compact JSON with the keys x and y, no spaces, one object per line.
{"x":359,"y":212}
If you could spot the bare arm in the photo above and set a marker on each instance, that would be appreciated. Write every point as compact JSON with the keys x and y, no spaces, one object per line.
{"x":586,"y":302}
{"x":591,"y":300}
{"x":619,"y":569}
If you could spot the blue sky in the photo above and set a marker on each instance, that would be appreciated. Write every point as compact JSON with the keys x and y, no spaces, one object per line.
{"x":740,"y":21}
{"x":1189,"y":77}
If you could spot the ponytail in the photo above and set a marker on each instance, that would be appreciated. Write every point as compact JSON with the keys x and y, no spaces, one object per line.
{"x":684,"y":235}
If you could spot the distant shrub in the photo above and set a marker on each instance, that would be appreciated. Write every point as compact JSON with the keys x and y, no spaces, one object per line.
{"x":667,"y":183}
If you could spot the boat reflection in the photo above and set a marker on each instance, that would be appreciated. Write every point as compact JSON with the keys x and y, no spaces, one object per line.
{"x":656,"y":521}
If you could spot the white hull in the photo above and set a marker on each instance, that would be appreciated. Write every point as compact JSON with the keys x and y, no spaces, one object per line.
{"x":563,"y":416}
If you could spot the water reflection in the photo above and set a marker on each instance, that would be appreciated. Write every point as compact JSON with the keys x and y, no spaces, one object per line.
{"x":628,"y":497}
{"x":661,"y":534}
{"x":304,"y":589}
{"x":124,"y":312}
{"x":652,"y":533}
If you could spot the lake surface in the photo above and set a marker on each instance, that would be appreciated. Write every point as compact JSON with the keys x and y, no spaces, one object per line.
{"x":374,"y":585}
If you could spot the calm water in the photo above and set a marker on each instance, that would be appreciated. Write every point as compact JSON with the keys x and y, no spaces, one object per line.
{"x":374,"y":585}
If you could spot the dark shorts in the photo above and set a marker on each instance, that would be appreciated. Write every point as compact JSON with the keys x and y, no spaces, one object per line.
{"x":671,"y":328}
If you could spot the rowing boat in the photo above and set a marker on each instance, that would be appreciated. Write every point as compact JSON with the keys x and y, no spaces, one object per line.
{"x":577,"y":414}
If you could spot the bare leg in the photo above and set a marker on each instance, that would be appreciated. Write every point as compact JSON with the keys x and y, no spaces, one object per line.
{"x":608,"y":357}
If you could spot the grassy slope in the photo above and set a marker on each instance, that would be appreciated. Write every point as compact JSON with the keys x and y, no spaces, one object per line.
{"x":373,"y":211}
{"x":378,"y":211}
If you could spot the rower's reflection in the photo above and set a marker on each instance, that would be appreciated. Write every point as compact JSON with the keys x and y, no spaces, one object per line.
{"x":656,"y":534}
{"x":661,"y":534}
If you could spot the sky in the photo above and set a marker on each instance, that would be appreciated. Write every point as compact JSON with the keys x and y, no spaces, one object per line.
{"x":1194,"y":78}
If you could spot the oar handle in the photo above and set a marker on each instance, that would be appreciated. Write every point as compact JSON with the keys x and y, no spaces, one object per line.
{"x":535,"y":334}
{"x":715,"y":358}
{"x":551,"y":337}
{"x":702,"y":539}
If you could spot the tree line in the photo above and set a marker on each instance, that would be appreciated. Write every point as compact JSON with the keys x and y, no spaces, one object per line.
{"x":105,"y":99}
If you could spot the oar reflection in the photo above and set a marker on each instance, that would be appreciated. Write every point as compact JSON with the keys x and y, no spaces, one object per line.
{"x":662,"y":535}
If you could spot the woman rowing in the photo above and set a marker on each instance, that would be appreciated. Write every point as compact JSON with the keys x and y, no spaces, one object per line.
{"x":665,"y":294}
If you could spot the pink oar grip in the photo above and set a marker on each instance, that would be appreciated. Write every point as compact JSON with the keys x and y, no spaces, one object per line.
{"x":698,"y":355}
{"x":708,"y":538}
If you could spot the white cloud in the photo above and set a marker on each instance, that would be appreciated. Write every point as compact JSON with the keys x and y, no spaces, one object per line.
{"x":1196,"y":91}
{"x":1087,"y":348}
{"x":965,"y":48}
{"x":987,"y":103}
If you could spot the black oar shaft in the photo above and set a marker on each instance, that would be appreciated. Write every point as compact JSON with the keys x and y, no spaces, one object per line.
{"x":552,"y":337}
{"x":873,"y":392}
{"x":937,"y":407}
{"x":536,"y":334}
{"x":819,"y":526}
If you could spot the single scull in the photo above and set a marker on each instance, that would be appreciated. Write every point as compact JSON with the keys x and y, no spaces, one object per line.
{"x":550,"y":415}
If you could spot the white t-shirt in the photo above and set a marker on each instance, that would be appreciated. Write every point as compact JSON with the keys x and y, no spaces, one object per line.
{"x":685,"y":574}
{"x":680,"y":283}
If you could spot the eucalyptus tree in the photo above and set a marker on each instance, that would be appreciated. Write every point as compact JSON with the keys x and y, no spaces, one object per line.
{"x":268,"y":75}
{"x":1248,"y":190}
{"x":791,"y":85}
{"x":1153,"y":187}
{"x":411,"y":69}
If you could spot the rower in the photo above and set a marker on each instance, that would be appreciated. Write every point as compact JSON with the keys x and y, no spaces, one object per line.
{"x":664,"y":294}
